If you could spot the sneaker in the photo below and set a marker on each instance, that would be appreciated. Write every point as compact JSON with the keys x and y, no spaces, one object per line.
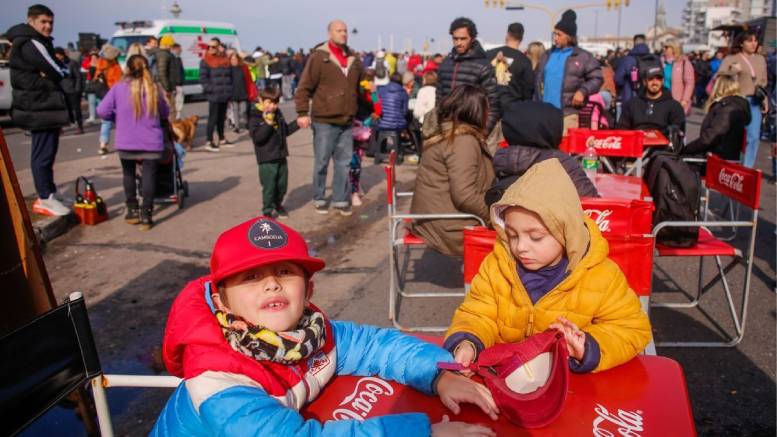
{"x":322,"y":209}
{"x":356,"y":200}
{"x":210,"y":147}
{"x":146,"y":222}
{"x":281,"y":212}
{"x":67,"y":201}
{"x":103,"y":150}
{"x":344,"y":211}
{"x":50,"y":206}
{"x":226,"y":143}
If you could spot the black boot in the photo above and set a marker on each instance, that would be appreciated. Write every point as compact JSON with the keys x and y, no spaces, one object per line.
{"x":133,"y":212}
{"x":145,"y":219}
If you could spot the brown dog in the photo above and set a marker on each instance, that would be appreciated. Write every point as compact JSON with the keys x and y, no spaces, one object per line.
{"x":184,"y":130}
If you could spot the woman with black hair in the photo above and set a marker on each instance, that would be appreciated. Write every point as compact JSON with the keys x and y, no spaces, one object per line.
{"x":456,"y":170}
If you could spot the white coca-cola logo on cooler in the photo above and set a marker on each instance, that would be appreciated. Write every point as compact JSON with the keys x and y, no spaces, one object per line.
{"x":601,"y":218}
{"x":732,"y":180}
{"x":612,"y":142}
{"x":358,"y":404}
{"x":624,"y":423}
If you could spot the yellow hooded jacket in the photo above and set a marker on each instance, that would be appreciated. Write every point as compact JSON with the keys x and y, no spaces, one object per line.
{"x":595,"y":295}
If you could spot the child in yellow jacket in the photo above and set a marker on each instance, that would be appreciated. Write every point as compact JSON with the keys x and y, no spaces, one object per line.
{"x":549,"y":269}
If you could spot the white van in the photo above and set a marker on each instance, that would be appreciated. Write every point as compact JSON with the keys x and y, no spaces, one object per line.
{"x":193,"y":36}
{"x":5,"y":77}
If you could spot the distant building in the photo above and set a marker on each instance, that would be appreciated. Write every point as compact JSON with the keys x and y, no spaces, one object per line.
{"x":660,"y":33}
{"x":700,"y":16}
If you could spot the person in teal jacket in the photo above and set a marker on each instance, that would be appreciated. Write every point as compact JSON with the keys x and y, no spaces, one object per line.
{"x":252,"y":350}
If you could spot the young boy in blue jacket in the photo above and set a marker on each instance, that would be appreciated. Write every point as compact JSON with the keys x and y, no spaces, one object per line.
{"x":253,"y":350}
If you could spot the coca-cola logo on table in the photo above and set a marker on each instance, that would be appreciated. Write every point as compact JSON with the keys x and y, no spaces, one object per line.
{"x":732,"y":180}
{"x":358,"y":404}
{"x":611,"y":142}
{"x":623,"y":423}
{"x":601,"y":217}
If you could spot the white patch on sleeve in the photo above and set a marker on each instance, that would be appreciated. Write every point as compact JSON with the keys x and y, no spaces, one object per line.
{"x":42,"y":49}
{"x":207,"y":384}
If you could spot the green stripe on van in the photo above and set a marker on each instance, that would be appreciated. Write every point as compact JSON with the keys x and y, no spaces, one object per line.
{"x":196,"y":29}
{"x":191,"y":74}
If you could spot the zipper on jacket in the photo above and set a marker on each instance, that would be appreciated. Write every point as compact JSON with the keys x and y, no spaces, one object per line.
{"x":455,"y":72}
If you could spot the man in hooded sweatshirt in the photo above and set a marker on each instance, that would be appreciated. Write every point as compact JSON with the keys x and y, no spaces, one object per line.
{"x":39,"y":103}
{"x":654,"y":107}
{"x":468,"y":64}
{"x":549,"y":270}
{"x":533,"y":132}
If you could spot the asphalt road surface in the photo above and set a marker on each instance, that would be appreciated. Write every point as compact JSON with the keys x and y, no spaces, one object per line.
{"x":130,"y":278}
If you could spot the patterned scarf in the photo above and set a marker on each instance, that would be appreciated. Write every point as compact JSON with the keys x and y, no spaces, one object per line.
{"x":263,"y":344}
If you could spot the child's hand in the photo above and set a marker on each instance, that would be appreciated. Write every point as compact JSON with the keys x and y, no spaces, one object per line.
{"x":574,"y":336}
{"x":454,"y":389}
{"x":464,"y":354}
{"x":446,"y":428}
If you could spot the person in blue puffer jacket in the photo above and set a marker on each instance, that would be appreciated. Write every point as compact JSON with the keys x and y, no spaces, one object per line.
{"x":252,"y":350}
{"x":393,"y":120}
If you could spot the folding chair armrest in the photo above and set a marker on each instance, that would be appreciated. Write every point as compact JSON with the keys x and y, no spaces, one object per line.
{"x":704,"y":224}
{"x":438,"y":217}
{"x":404,"y":193}
{"x":159,"y":381}
{"x":695,"y":160}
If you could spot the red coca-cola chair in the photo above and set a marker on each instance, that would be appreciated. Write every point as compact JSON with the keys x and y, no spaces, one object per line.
{"x":608,"y":144}
{"x":401,"y":240}
{"x":743,"y":186}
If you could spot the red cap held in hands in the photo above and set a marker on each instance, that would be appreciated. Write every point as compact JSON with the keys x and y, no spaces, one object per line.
{"x":528,"y":380}
{"x":257,"y":242}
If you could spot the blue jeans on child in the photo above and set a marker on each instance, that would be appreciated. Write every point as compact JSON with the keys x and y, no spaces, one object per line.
{"x":336,"y":143}
{"x":105,"y":131}
{"x":753,"y":134}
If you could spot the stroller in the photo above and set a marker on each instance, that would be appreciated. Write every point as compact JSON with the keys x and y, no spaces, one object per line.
{"x":170,"y":186}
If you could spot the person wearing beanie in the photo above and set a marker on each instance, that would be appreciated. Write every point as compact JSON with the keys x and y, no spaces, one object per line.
{"x":549,"y":269}
{"x":567,"y":74}
{"x":528,"y":146}
{"x":519,"y":83}
{"x":467,"y":63}
{"x":253,"y":349}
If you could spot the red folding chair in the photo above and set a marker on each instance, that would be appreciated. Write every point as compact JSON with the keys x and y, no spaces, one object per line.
{"x":608,"y":143}
{"x":742,"y":185}
{"x":402,"y":239}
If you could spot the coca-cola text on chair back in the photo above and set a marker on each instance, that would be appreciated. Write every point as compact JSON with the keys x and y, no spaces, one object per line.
{"x":620,"y":143}
{"x":736,"y":181}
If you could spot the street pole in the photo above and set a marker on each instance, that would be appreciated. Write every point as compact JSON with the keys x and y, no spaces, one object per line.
{"x":620,"y":8}
{"x":655,"y":25}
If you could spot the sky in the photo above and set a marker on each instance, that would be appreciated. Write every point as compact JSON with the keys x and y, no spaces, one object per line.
{"x":277,"y":24}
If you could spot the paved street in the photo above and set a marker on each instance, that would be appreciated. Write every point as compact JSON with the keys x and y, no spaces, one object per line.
{"x":129,"y":278}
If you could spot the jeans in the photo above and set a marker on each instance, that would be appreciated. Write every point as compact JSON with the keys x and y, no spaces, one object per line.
{"x":238,"y":114}
{"x":286,"y":86}
{"x":92,"y":99}
{"x":179,"y":99}
{"x":217,"y":113}
{"x":274,"y":176}
{"x":753,"y":134}
{"x":261,"y":83}
{"x":148,"y":176}
{"x":74,"y":100}
{"x":45,"y":144}
{"x":335,"y":143}
{"x":105,"y":132}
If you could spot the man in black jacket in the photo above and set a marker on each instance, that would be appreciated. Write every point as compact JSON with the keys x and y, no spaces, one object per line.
{"x":654,"y":107}
{"x":521,"y":76}
{"x":73,"y":87}
{"x":467,"y":64}
{"x":177,"y":76}
{"x":39,"y":104}
{"x":216,"y":80}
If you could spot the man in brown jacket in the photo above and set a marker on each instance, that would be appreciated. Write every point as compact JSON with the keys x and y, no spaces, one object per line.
{"x":331,"y":80}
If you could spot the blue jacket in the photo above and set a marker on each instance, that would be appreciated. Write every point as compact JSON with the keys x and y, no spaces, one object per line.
{"x":623,"y":73}
{"x":393,"y":100}
{"x":227,"y":403}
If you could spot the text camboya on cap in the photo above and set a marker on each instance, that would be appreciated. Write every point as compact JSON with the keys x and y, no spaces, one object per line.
{"x":257,"y":242}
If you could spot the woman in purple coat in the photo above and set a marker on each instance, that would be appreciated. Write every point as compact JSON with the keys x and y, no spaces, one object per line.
{"x":137,"y":107}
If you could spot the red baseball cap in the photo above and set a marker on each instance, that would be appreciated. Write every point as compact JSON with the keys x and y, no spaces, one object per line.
{"x":257,"y":242}
{"x":528,"y":380}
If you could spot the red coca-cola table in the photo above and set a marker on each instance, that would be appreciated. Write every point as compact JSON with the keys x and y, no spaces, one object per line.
{"x":645,"y":397}
{"x":615,"y":186}
{"x":654,"y":138}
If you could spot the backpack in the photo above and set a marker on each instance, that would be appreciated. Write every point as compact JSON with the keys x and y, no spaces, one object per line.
{"x":643,"y":63}
{"x":675,"y":189}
